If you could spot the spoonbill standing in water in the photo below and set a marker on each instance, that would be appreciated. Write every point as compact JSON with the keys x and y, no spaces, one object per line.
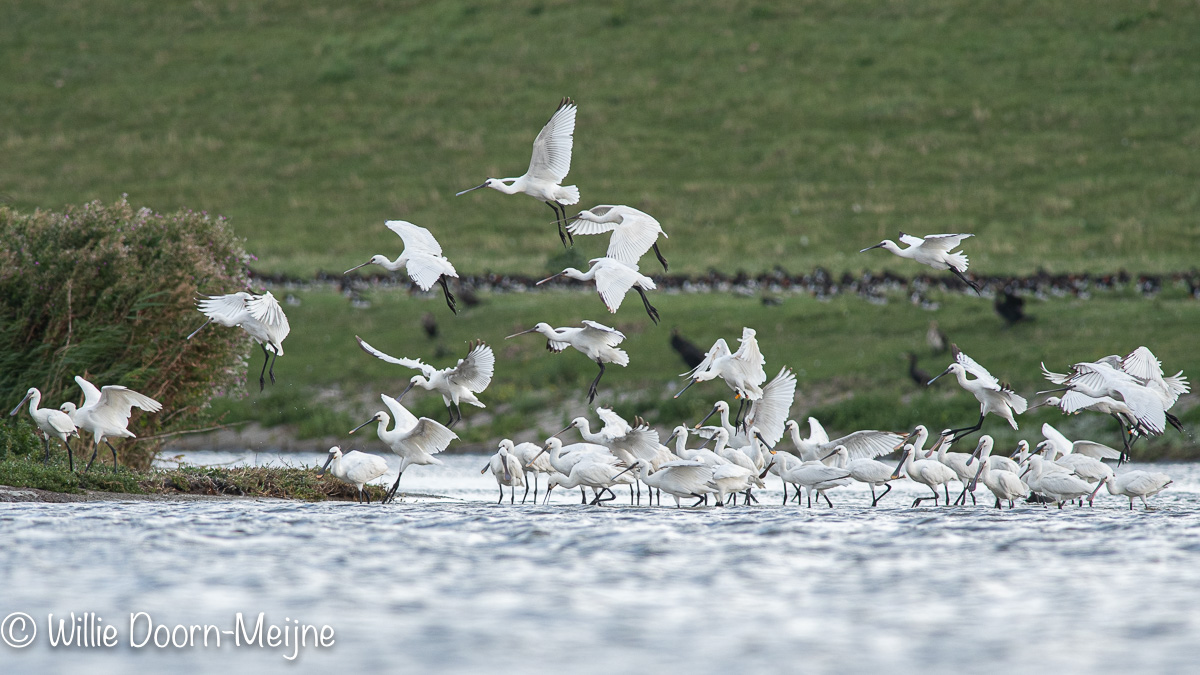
{"x":105,"y":413}
{"x":421,"y":259}
{"x":52,"y":422}
{"x":934,"y":250}
{"x":633,"y":232}
{"x":458,"y":384}
{"x":354,"y":467}
{"x":1132,"y":484}
{"x":550,"y":164}
{"x":994,"y":397}
{"x":260,"y":316}
{"x":596,"y":341}
{"x":742,"y":370}
{"x":613,"y":281}
{"x":507,"y":469}
{"x":415,"y":441}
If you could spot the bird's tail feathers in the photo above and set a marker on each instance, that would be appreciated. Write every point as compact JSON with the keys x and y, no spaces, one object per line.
{"x":958,"y":261}
{"x":567,"y":194}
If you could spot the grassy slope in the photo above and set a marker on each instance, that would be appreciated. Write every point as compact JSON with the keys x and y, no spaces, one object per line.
{"x":760,"y":133}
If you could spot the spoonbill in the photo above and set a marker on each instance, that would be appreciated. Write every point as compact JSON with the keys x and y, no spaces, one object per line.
{"x":414,"y":440}
{"x":742,"y":370}
{"x":1072,"y":402}
{"x":730,"y":479}
{"x":354,"y":467}
{"x":814,"y":477}
{"x":260,"y":316}
{"x":1100,"y":379}
{"x":613,"y":280}
{"x":928,"y":472}
{"x":633,"y":232}
{"x":626,"y":442}
{"x":532,"y":462}
{"x":508,"y":471}
{"x":934,"y":250}
{"x":1004,"y":485}
{"x":458,"y":384}
{"x":52,"y":422}
{"x":1056,"y":483}
{"x":598,"y":475}
{"x":105,"y":413}
{"x":564,"y":458}
{"x":867,"y":443}
{"x":1081,"y":457}
{"x":768,"y":414}
{"x":678,"y":478}
{"x":594,"y":340}
{"x":550,"y":164}
{"x":421,"y":259}
{"x":864,"y":470}
{"x":1132,"y":484}
{"x":994,"y":397}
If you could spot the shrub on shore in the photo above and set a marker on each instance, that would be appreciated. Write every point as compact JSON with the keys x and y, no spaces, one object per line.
{"x":107,"y":291}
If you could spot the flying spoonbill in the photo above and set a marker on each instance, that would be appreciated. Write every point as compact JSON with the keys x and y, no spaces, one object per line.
{"x":415,"y":441}
{"x":633,"y":232}
{"x":993,"y":396}
{"x":105,"y":413}
{"x":933,"y":250}
{"x":421,"y":259}
{"x":52,"y":422}
{"x":613,"y":280}
{"x":742,"y":370}
{"x":768,"y":414}
{"x":594,"y":340}
{"x":260,"y":316}
{"x":550,"y":164}
{"x":354,"y":467}
{"x":458,"y":384}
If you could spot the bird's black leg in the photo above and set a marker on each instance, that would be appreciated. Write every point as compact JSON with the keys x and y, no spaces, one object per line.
{"x":271,"y":372}
{"x":501,"y":498}
{"x":822,"y":494}
{"x":596,"y":382}
{"x":874,"y":499}
{"x":46,"y":442}
{"x":450,"y":301}
{"x":527,"y":489}
{"x":962,"y":433}
{"x":390,"y":496}
{"x":946,"y":487}
{"x":699,"y":500}
{"x":70,"y":456}
{"x":535,"y":488}
{"x":659,"y":254}
{"x":559,"y":219}
{"x":1124,"y":439}
{"x":262,"y":376}
{"x":649,"y":307}
{"x":512,"y":494}
{"x":582,"y":494}
{"x":965,"y":280}
{"x":114,"y":452}
{"x":889,"y":489}
{"x":89,"y":464}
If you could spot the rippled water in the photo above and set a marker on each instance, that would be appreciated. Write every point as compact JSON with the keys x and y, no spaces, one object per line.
{"x":460,"y":584}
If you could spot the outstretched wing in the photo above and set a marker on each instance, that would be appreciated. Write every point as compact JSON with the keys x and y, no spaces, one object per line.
{"x":91,"y":395}
{"x":430,"y":436}
{"x":1142,"y":364}
{"x":614,"y":424}
{"x":613,"y":282}
{"x":475,"y":371}
{"x":720,"y":348}
{"x":598,"y":331}
{"x":426,"y":369}
{"x":425,"y":269}
{"x":551,"y":160}
{"x":1095,"y":450}
{"x":403,"y":418}
{"x":416,"y":238}
{"x":942,"y":242}
{"x":265,"y":308}
{"x":116,"y":403}
{"x":972,"y":367}
{"x":227,"y":310}
{"x":582,"y":225}
{"x":769,"y":413}
{"x":865,"y":443}
{"x":1055,"y":378}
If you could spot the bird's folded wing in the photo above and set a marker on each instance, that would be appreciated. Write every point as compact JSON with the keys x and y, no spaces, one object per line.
{"x":426,"y":369}
{"x":61,"y":422}
{"x":551,"y":160}
{"x":1094,"y":449}
{"x":475,"y":371}
{"x":416,"y":238}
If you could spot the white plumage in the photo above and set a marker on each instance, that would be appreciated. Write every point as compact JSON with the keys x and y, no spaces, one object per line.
{"x":613,"y":281}
{"x":994,"y":397}
{"x":934,"y":250}
{"x":457,"y":384}
{"x":594,"y":340}
{"x":354,"y":467}
{"x":633,"y":232}
{"x":105,"y":413}
{"x":260,"y":316}
{"x":421,"y":259}
{"x":53,"y":423}
{"x":414,"y":440}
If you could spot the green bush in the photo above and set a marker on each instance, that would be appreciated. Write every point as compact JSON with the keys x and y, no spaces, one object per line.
{"x":107,"y":292}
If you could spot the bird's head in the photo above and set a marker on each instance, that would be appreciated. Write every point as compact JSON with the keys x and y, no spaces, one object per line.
{"x":414,"y":381}
{"x":68,"y":408}
{"x":377,"y":417}
{"x":956,"y":368}
{"x":375,"y":260}
{"x":1050,"y":401}
{"x":28,"y":395}
{"x":908,"y":451}
{"x":494,"y":183}
{"x":719,"y":407}
{"x":885,"y":244}
{"x":334,"y":453}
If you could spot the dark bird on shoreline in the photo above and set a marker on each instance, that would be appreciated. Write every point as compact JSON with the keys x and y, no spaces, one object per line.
{"x":919,"y":376}
{"x":429,"y":325}
{"x":691,"y":354}
{"x":936,"y":339}
{"x":1010,"y":307}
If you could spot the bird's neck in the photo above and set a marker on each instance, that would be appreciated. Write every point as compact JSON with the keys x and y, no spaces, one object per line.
{"x":508,"y":186}
{"x":393,"y":265}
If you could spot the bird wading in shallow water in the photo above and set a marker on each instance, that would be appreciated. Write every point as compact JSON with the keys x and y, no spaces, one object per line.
{"x":550,"y":164}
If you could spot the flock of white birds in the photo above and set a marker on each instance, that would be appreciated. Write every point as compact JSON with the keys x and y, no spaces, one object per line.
{"x":745,"y":449}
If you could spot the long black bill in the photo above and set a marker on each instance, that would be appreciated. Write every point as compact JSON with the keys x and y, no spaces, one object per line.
{"x":362,"y":425}
{"x":459,"y":194}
